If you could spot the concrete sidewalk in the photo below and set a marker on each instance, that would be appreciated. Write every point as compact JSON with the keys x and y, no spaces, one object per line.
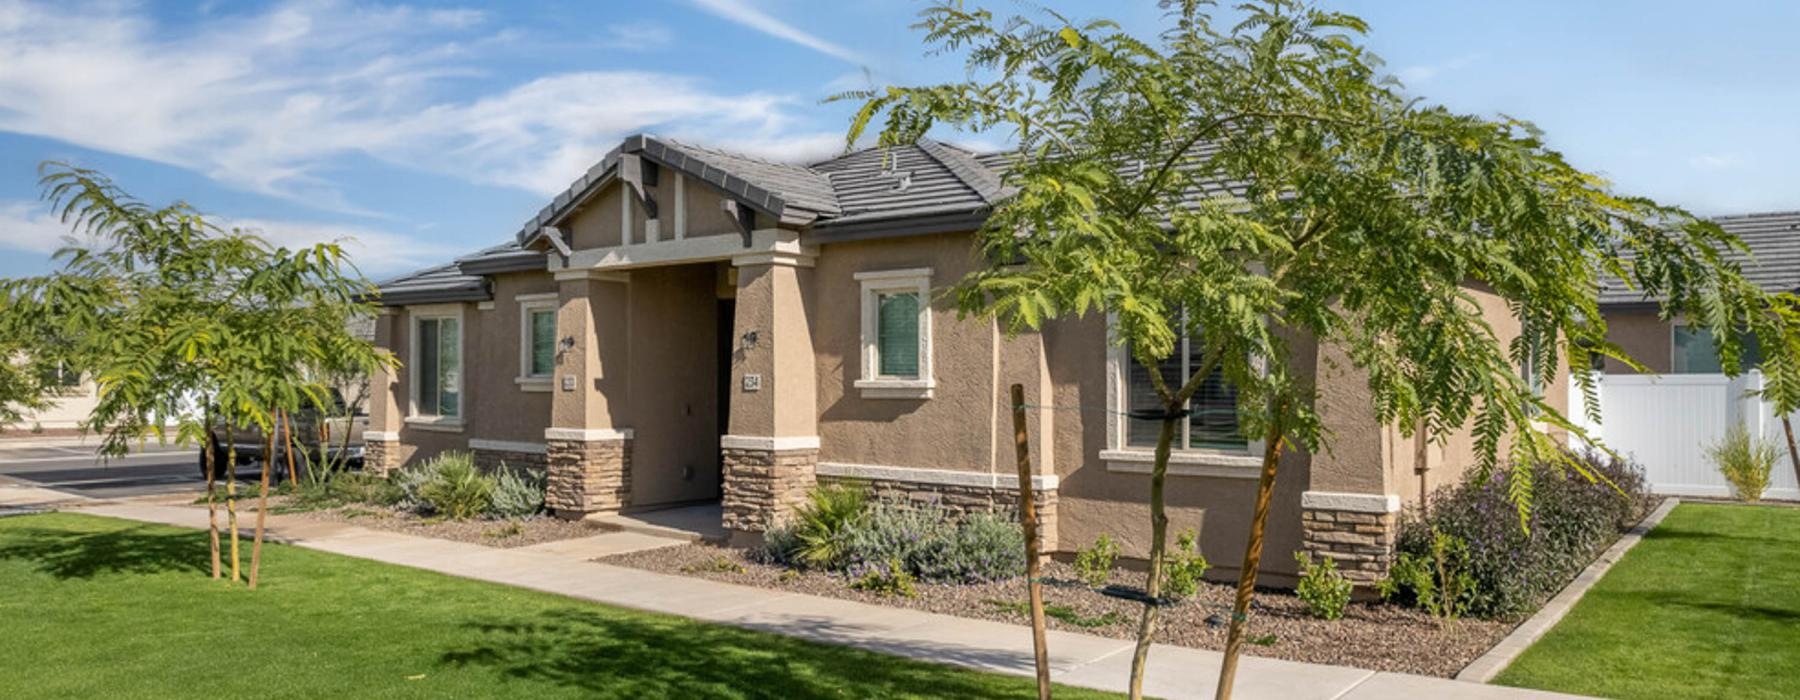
{"x":1077,"y":659}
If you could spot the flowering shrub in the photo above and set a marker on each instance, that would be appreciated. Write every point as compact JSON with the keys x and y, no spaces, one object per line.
{"x":1511,"y":569}
{"x":925,"y":540}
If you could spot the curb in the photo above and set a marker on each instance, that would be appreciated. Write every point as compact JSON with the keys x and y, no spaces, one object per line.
{"x":1483,"y":669}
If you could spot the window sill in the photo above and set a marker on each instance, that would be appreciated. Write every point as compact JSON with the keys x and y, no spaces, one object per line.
{"x":1214,"y":463}
{"x":438,"y":424}
{"x":899,"y":389}
{"x":540,"y":384}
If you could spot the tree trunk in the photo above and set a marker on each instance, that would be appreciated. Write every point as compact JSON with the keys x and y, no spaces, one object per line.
{"x":1787,"y":425}
{"x":231,"y":496}
{"x":1159,"y":530}
{"x":287,"y":431}
{"x":1265,"y":488}
{"x":210,"y":460}
{"x":1028,"y":522}
{"x":262,"y":509}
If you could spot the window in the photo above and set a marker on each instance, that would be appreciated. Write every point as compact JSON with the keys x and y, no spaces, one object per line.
{"x":1209,"y":443}
{"x":437,"y":365}
{"x":1212,"y":419}
{"x":537,"y":340}
{"x":1695,"y":352}
{"x":896,"y":334}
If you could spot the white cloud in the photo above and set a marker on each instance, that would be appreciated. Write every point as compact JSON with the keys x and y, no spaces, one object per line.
{"x":637,"y":36}
{"x":268,"y":102}
{"x":31,"y":227}
{"x":744,"y":13}
{"x":1414,"y":75}
{"x":1716,"y":161}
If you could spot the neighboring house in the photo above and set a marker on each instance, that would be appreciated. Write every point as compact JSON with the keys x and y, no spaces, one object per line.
{"x":687,"y":325}
{"x":1673,"y":347}
{"x":65,"y":413}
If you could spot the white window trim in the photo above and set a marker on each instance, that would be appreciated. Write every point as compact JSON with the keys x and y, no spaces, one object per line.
{"x":870,"y":383}
{"x":528,"y":304}
{"x":1204,"y":461}
{"x":413,"y":417}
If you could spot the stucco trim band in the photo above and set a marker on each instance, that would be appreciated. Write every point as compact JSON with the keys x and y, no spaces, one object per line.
{"x":752,"y":442}
{"x":1213,"y":464}
{"x":435,"y":424}
{"x":946,"y":477}
{"x":380,"y":436}
{"x":536,"y":448}
{"x":1350,"y":502}
{"x":587,"y":434}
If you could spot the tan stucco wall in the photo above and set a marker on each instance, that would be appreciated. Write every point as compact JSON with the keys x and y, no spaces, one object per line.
{"x":1644,"y":336}
{"x":777,"y":303}
{"x":596,"y":223}
{"x":952,"y":430}
{"x":504,"y":411}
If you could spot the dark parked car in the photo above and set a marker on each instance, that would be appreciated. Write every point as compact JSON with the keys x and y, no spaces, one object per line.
{"x":315,"y":437}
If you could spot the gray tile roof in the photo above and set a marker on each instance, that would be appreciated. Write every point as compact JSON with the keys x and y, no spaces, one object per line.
{"x":1773,"y":263}
{"x":923,"y":187}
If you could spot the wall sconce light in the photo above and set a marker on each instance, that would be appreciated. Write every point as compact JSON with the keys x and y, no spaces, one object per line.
{"x":749,"y":340}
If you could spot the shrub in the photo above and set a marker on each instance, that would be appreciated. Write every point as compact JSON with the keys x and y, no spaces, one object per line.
{"x":1182,"y":567}
{"x":411,"y":482}
{"x":1745,"y":461}
{"x":889,"y":579}
{"x":934,"y":544}
{"x":1094,"y":564}
{"x":518,"y":492}
{"x":457,"y":490}
{"x":340,"y":489}
{"x":1325,"y":591}
{"x":1510,"y":568}
{"x":815,"y":537}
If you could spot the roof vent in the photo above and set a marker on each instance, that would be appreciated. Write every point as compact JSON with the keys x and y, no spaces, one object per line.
{"x":903,"y":180}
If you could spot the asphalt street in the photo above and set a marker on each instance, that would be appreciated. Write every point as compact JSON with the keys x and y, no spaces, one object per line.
{"x":74,"y":468}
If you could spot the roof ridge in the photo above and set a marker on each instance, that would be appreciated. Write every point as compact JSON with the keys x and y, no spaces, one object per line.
{"x":1757,"y":215}
{"x":740,"y":155}
{"x":963,"y":166}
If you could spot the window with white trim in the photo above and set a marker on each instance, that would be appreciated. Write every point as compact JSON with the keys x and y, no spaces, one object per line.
{"x":437,"y":364}
{"x":537,"y":338}
{"x":1209,"y":442}
{"x":1693,"y":351}
{"x":896,"y":334}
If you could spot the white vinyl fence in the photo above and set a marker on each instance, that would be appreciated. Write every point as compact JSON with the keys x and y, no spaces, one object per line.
{"x":1665,"y":422}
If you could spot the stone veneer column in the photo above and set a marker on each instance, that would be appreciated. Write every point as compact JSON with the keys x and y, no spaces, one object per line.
{"x":587,"y":452}
{"x":1358,"y":530}
{"x":381,"y":440}
{"x":589,"y":471}
{"x":764,"y":479}
{"x":772,"y":446}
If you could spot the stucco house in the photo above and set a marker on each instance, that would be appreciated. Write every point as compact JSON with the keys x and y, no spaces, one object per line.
{"x":687,"y":325}
{"x":1634,"y":322}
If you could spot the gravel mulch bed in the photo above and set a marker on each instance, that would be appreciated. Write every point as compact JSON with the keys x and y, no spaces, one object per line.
{"x":493,"y":533}
{"x":1371,"y":636}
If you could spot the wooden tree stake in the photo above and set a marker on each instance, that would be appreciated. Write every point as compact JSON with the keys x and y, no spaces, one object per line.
{"x":1028,"y":520}
{"x":262,"y":509}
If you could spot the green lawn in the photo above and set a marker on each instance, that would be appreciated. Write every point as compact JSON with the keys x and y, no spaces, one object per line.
{"x":1707,"y":606}
{"x":94,"y":607}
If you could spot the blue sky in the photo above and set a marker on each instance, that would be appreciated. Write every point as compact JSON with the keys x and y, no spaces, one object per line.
{"x":424,"y":131}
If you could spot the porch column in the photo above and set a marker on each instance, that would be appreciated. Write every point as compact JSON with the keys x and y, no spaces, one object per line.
{"x":1350,"y":511}
{"x":587,"y":448}
{"x":381,"y":440}
{"x":772,"y":447}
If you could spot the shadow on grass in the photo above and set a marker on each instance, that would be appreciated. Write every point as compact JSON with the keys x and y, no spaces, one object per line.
{"x":1722,"y":538}
{"x":1740,"y":612}
{"x":636,"y":656}
{"x":70,"y":554}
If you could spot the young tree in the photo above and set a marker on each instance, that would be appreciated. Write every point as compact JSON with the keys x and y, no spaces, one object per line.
{"x":188,"y":325}
{"x":1261,"y":184}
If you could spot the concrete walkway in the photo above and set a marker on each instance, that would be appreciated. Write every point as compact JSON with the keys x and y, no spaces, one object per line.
{"x":1077,"y":659}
